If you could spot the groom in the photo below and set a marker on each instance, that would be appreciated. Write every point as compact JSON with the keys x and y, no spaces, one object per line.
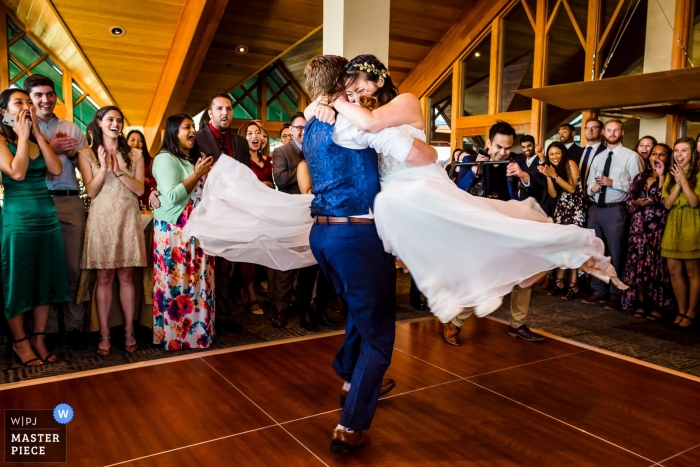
{"x":344,"y":174}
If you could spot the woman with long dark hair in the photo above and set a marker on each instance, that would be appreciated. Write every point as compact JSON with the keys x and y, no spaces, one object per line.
{"x":646,"y":273}
{"x":564,"y":186}
{"x":114,"y":242}
{"x":644,"y":147}
{"x":136,"y":140}
{"x":34,"y":274}
{"x":681,"y":242}
{"x":183,"y":296}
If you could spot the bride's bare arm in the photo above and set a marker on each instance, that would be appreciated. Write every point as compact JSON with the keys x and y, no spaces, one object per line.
{"x":403,"y":109}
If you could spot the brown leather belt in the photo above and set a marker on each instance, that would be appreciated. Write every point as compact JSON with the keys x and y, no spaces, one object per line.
{"x":342,"y":220}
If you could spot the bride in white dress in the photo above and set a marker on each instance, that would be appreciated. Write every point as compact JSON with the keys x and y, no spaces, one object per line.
{"x":463,"y":251}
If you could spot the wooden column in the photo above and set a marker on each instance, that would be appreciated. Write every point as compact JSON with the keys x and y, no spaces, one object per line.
{"x":496,"y":66}
{"x":4,"y":52}
{"x":539,"y":73}
{"x":67,"y":83}
{"x":593,"y":26}
{"x":425,"y":110}
{"x":457,"y":96}
{"x":681,"y":27}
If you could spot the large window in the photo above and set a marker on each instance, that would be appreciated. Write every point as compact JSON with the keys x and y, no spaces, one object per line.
{"x":84,"y":108}
{"x":441,"y":113}
{"x":26,"y":58}
{"x":477,"y":67}
{"x":518,"y":58}
{"x":272,"y":90}
{"x":694,"y":38}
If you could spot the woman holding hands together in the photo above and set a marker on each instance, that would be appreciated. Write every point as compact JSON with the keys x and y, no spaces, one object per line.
{"x":113,"y":174}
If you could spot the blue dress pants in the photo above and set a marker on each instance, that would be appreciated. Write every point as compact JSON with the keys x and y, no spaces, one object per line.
{"x":364,"y":276}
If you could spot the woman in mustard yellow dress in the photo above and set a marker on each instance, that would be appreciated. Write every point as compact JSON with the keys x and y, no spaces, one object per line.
{"x":681,"y":243}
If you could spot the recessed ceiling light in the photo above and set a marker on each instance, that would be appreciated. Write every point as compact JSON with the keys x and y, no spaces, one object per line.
{"x":241,"y":49}
{"x":117,"y":31}
{"x":477,"y":54}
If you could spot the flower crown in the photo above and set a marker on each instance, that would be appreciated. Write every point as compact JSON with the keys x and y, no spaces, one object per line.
{"x":372,"y":69}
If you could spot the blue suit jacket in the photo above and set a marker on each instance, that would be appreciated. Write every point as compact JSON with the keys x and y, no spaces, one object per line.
{"x":467,"y":179}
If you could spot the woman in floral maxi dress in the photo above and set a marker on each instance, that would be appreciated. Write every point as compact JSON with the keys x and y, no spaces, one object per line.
{"x":183,"y":296}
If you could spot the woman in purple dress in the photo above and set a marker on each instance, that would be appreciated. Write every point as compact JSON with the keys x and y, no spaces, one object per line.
{"x":646,"y":273}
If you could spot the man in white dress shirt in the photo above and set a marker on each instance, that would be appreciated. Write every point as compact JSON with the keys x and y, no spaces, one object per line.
{"x":609,"y":179}
{"x":66,"y":140}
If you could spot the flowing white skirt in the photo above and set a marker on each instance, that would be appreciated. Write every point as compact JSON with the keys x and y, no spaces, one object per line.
{"x":462,"y":251}
{"x":241,"y":219}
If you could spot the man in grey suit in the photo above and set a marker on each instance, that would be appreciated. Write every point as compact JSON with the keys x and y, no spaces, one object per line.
{"x":286,"y":158}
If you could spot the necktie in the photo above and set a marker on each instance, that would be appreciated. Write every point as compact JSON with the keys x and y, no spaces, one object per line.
{"x":222,"y":144}
{"x":606,"y":172}
{"x":584,"y":164}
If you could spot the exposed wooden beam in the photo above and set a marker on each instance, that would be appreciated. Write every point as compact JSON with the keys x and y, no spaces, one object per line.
{"x":575,"y":23}
{"x":608,"y":27}
{"x":475,"y":18}
{"x":553,"y":16}
{"x":539,"y":71}
{"x":4,"y":58}
{"x":194,"y":34}
{"x":592,"y":64}
{"x":457,"y":104}
{"x":496,"y":66}
{"x":521,"y":117}
{"x":530,"y":17}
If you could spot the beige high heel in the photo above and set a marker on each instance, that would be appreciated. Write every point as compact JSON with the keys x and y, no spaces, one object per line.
{"x":104,"y":352}
{"x":130,"y":348}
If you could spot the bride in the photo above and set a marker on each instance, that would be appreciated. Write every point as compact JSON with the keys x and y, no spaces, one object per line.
{"x":463,"y":251}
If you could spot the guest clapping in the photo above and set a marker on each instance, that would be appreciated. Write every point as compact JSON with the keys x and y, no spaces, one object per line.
{"x":34,"y":273}
{"x":183,"y":296}
{"x":681,"y":242}
{"x":113,"y":174}
{"x":564,"y":185}
{"x":136,"y":140}
{"x":646,"y":273}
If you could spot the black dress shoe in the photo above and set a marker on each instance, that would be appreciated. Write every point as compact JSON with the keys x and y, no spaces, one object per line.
{"x":308,"y":322}
{"x":325,"y":319}
{"x":77,"y":340}
{"x":278,"y":320}
{"x":523,"y":332}
{"x":418,"y":304}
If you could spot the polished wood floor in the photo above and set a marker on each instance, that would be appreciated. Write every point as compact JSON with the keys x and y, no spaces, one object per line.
{"x":495,"y":401}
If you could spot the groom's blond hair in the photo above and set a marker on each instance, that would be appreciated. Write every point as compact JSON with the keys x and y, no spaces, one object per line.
{"x":323,"y":73}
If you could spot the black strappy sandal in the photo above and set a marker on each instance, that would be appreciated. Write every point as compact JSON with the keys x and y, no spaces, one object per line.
{"x":51,"y":354}
{"x":572,"y":292}
{"x":557,"y":289}
{"x":28,"y":362}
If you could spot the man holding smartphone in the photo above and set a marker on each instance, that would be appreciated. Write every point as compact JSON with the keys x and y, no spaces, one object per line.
{"x":66,"y":141}
{"x":608,"y":183}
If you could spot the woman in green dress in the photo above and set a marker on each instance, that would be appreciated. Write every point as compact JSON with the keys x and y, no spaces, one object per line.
{"x":681,"y":242}
{"x":34,"y":274}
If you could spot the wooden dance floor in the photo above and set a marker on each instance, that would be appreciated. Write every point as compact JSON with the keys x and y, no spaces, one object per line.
{"x":495,"y":401}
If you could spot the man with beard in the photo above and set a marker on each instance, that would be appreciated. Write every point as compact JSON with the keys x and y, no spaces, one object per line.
{"x":609,"y":179}
{"x":566,"y":136}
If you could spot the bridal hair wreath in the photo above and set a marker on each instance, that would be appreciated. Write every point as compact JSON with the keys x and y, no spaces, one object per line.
{"x":371,"y":69}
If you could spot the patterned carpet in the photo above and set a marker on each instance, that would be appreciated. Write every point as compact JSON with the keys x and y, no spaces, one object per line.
{"x":256,"y":329}
{"x":655,"y":342}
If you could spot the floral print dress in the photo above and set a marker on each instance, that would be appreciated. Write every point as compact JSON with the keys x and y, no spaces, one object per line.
{"x":183,"y":276}
{"x":644,"y":262}
{"x":570,"y":208}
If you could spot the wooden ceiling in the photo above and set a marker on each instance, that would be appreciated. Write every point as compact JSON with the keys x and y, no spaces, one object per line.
{"x":270,"y":33}
{"x":129,"y":66}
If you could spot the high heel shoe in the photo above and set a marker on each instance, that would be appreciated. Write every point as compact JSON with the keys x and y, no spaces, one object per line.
{"x":27,"y":363}
{"x":690,"y":319}
{"x":104,"y":352}
{"x":133,"y":347}
{"x":557,"y":289}
{"x":571,"y":293}
{"x":46,"y":359}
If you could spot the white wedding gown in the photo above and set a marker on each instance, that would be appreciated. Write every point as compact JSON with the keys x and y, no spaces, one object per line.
{"x":463,"y":251}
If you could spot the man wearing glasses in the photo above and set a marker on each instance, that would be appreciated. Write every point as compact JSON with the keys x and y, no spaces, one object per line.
{"x":594,"y":145}
{"x":286,"y":133}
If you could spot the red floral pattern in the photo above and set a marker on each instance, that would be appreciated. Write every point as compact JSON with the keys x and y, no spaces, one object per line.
{"x":183,"y":276}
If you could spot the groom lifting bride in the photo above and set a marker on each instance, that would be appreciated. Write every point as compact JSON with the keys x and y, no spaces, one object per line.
{"x":345,"y":178}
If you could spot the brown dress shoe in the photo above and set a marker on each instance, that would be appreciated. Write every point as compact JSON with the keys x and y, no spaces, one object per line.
{"x":451,"y":334}
{"x":592,"y":300}
{"x":612,"y":305}
{"x":387,"y":385}
{"x":344,"y":442}
{"x":278,"y":319}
